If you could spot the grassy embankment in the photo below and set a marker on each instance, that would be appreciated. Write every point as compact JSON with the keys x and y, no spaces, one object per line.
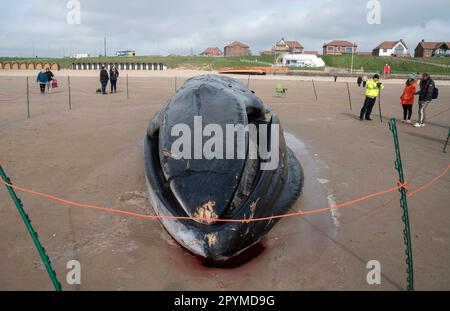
{"x":368,"y":63}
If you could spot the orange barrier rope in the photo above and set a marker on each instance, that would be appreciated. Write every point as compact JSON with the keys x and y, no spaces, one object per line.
{"x":411,"y":194}
{"x":317,"y":211}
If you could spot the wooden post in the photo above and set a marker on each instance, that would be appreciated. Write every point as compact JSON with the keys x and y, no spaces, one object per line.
{"x":314,"y":87}
{"x":176,"y":84}
{"x":28,"y":99}
{"x":128,"y":97}
{"x":70,"y":94}
{"x":248,"y":81}
{"x":349,"y":96}
{"x":379,"y":107}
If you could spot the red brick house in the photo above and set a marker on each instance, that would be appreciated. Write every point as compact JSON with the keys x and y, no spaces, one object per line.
{"x":295,"y":47}
{"x":432,"y":49}
{"x":291,"y":47}
{"x":212,"y":52}
{"x":339,"y":47}
{"x":237,"y":49}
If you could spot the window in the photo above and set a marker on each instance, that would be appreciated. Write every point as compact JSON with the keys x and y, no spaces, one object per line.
{"x":330,"y":48}
{"x":384,"y":50}
{"x":349,"y":50}
{"x":399,"y":49}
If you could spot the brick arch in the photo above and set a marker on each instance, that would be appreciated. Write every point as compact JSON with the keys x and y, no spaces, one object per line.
{"x":38,"y":66}
{"x":46,"y":65}
{"x":23,"y":66}
{"x":6,"y":65}
{"x":30,"y":66}
{"x":14,"y":65}
{"x":54,"y":66}
{"x":1,"y":65}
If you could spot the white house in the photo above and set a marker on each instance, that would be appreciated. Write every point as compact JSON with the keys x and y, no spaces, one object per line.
{"x":80,"y":55}
{"x":301,"y":60}
{"x":391,"y":48}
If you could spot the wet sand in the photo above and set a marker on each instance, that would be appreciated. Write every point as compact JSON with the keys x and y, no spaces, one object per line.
{"x":94,"y":154}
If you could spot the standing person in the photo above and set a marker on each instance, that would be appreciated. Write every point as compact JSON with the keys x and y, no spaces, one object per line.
{"x":427,"y":88}
{"x":42,"y":79}
{"x":407,"y":99}
{"x":364,"y":81}
{"x":104,"y":79}
{"x":359,"y":81}
{"x":373,"y":88}
{"x":113,"y":76}
{"x":335,"y":77}
{"x":50,"y":76}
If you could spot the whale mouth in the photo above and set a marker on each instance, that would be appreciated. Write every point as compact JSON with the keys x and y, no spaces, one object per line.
{"x":202,"y":191}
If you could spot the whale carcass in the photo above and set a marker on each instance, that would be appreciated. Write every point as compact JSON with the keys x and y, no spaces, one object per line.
{"x":214,"y":153}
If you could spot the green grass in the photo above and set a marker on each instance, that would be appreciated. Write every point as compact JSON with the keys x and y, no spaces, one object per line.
{"x":369,"y":63}
{"x":376,"y":64}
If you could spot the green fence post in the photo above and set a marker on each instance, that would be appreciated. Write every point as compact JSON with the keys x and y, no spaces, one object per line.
{"x":404,"y":205}
{"x":446,"y":142}
{"x":32,"y":232}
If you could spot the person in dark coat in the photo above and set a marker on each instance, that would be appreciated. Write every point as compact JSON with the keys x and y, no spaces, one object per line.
{"x":427,"y":87}
{"x":42,"y":79}
{"x":113,"y":76}
{"x":359,"y":81}
{"x":50,"y":76}
{"x":104,"y":77}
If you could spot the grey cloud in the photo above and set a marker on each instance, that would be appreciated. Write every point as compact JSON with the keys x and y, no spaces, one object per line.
{"x":176,"y":26}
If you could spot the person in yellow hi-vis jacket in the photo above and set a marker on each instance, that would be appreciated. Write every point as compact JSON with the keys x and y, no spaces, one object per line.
{"x":373,"y":88}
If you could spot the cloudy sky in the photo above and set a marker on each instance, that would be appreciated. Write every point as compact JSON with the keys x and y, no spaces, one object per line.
{"x":40,"y":27}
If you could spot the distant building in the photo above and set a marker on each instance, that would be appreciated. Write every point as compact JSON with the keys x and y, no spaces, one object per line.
{"x":391,"y":48}
{"x":267,"y":53}
{"x":212,"y":52}
{"x":237,"y":49}
{"x":432,"y":49}
{"x":285,"y":46}
{"x":80,"y":55}
{"x":126,"y":53}
{"x":301,"y":60}
{"x":339,"y":47}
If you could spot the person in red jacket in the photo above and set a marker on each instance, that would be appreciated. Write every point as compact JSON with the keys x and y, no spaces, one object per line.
{"x":407,"y":99}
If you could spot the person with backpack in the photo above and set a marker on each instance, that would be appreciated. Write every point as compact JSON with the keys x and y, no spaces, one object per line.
{"x":427,"y":93}
{"x":373,"y":88}
{"x":104,"y":77}
{"x":407,"y":99}
{"x":42,"y":79}
{"x":113,"y":76}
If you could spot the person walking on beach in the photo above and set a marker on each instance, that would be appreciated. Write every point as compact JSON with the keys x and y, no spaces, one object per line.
{"x":104,"y":79}
{"x":50,"y":76}
{"x":373,"y":88}
{"x":113,"y":76}
{"x":407,"y":100}
{"x":359,"y":81}
{"x":42,"y":79}
{"x":426,"y":94}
